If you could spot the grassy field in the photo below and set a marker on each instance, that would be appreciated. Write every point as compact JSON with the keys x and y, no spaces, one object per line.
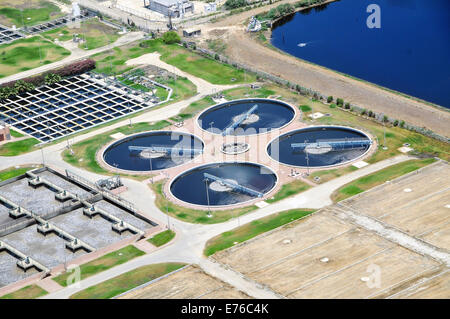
{"x":329,"y":174}
{"x":85,"y":151}
{"x":369,"y":181}
{"x":253,"y":229}
{"x":289,"y":189}
{"x":162,"y":238}
{"x":176,"y":55}
{"x":13,"y":172}
{"x":18,"y":147}
{"x":103,"y":263}
{"x":28,"y":292}
{"x":96,"y":33}
{"x":194,"y":215}
{"x":27,"y":12}
{"x":126,"y":281}
{"x":26,"y":54}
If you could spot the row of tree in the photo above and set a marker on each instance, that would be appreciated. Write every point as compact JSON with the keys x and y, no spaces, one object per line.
{"x":29,"y":84}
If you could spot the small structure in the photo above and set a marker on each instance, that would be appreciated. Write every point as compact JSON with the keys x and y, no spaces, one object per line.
{"x":192,"y":32}
{"x":210,"y":7}
{"x":5,"y":134}
{"x":254,"y":25}
{"x":172,"y":8}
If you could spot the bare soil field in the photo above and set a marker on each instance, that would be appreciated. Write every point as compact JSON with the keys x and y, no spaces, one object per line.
{"x":243,"y":48}
{"x":189,"y":283}
{"x":324,"y":256}
{"x":416,"y":204}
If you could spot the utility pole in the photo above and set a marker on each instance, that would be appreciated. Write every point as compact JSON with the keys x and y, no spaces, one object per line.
{"x":207,"y":197}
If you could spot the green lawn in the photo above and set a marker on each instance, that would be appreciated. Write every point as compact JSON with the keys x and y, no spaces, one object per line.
{"x":369,"y":181}
{"x":28,"y":292}
{"x":87,"y":149}
{"x":13,"y":172}
{"x":253,"y":229}
{"x":195,"y":215}
{"x":36,"y":10}
{"x":26,"y":54}
{"x":162,"y":238}
{"x":176,"y":55}
{"x":15,"y":133}
{"x":289,"y":189}
{"x":103,"y":263}
{"x":126,"y":281}
{"x":18,"y":147}
{"x":96,"y":33}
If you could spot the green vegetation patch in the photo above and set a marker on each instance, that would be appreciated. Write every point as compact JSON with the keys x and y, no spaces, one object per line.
{"x":96,"y":34}
{"x":369,"y":181}
{"x":162,"y":238}
{"x":289,"y":189}
{"x":13,"y":172}
{"x":27,"y":13}
{"x":28,"y":292}
{"x":176,"y":55}
{"x":18,"y":147}
{"x":127,"y":281}
{"x":103,"y":263}
{"x":253,"y":229}
{"x":26,"y":54}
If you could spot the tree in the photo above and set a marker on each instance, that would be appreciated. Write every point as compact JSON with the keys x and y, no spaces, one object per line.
{"x":339,"y":102}
{"x":171,"y":37}
{"x":329,"y":99}
{"x":347,"y":105}
{"x":234,"y":4}
{"x":52,"y":78}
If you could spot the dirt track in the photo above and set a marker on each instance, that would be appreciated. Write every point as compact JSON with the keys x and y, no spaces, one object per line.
{"x":242,"y":48}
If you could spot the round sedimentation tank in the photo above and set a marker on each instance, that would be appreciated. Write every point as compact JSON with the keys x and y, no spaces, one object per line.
{"x":152,"y":151}
{"x":223,"y":184}
{"x":319,"y":146}
{"x":246,"y":117}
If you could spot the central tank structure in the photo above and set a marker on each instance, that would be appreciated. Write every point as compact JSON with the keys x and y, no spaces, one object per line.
{"x":152,"y":151}
{"x":224,"y":183}
{"x":246,"y":117}
{"x":319,"y":146}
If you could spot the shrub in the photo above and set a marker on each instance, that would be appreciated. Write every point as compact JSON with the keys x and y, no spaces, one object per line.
{"x":332,"y":106}
{"x":234,"y":4}
{"x":364,"y":112}
{"x":402,"y":123}
{"x":329,"y":99}
{"x":216,"y":56}
{"x":305,"y":108}
{"x":396,"y":123}
{"x":171,"y":37}
{"x":347,"y":105}
{"x":385,"y":118}
{"x":339,"y":102}
{"x":370,"y":113}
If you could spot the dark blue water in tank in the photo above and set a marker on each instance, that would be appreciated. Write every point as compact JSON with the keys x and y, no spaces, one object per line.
{"x":409,"y":53}
{"x":191,"y":187}
{"x":280,"y":149}
{"x":118,"y":155}
{"x":272,"y":115}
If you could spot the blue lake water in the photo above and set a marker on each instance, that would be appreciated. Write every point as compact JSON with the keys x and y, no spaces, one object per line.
{"x":409,"y":53}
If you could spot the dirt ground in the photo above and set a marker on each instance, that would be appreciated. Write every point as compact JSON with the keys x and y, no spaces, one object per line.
{"x":416,"y":207}
{"x":189,"y":283}
{"x":323,"y":256}
{"x":244,"y":48}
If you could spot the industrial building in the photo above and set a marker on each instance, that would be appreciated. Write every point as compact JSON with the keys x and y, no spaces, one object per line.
{"x":173,"y":8}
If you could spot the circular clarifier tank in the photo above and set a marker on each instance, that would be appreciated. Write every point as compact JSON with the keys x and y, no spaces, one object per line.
{"x":246,"y":116}
{"x":319,"y":146}
{"x":223,"y":184}
{"x":153,"y":151}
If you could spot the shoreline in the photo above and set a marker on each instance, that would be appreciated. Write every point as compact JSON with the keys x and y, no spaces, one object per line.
{"x":297,"y":10}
